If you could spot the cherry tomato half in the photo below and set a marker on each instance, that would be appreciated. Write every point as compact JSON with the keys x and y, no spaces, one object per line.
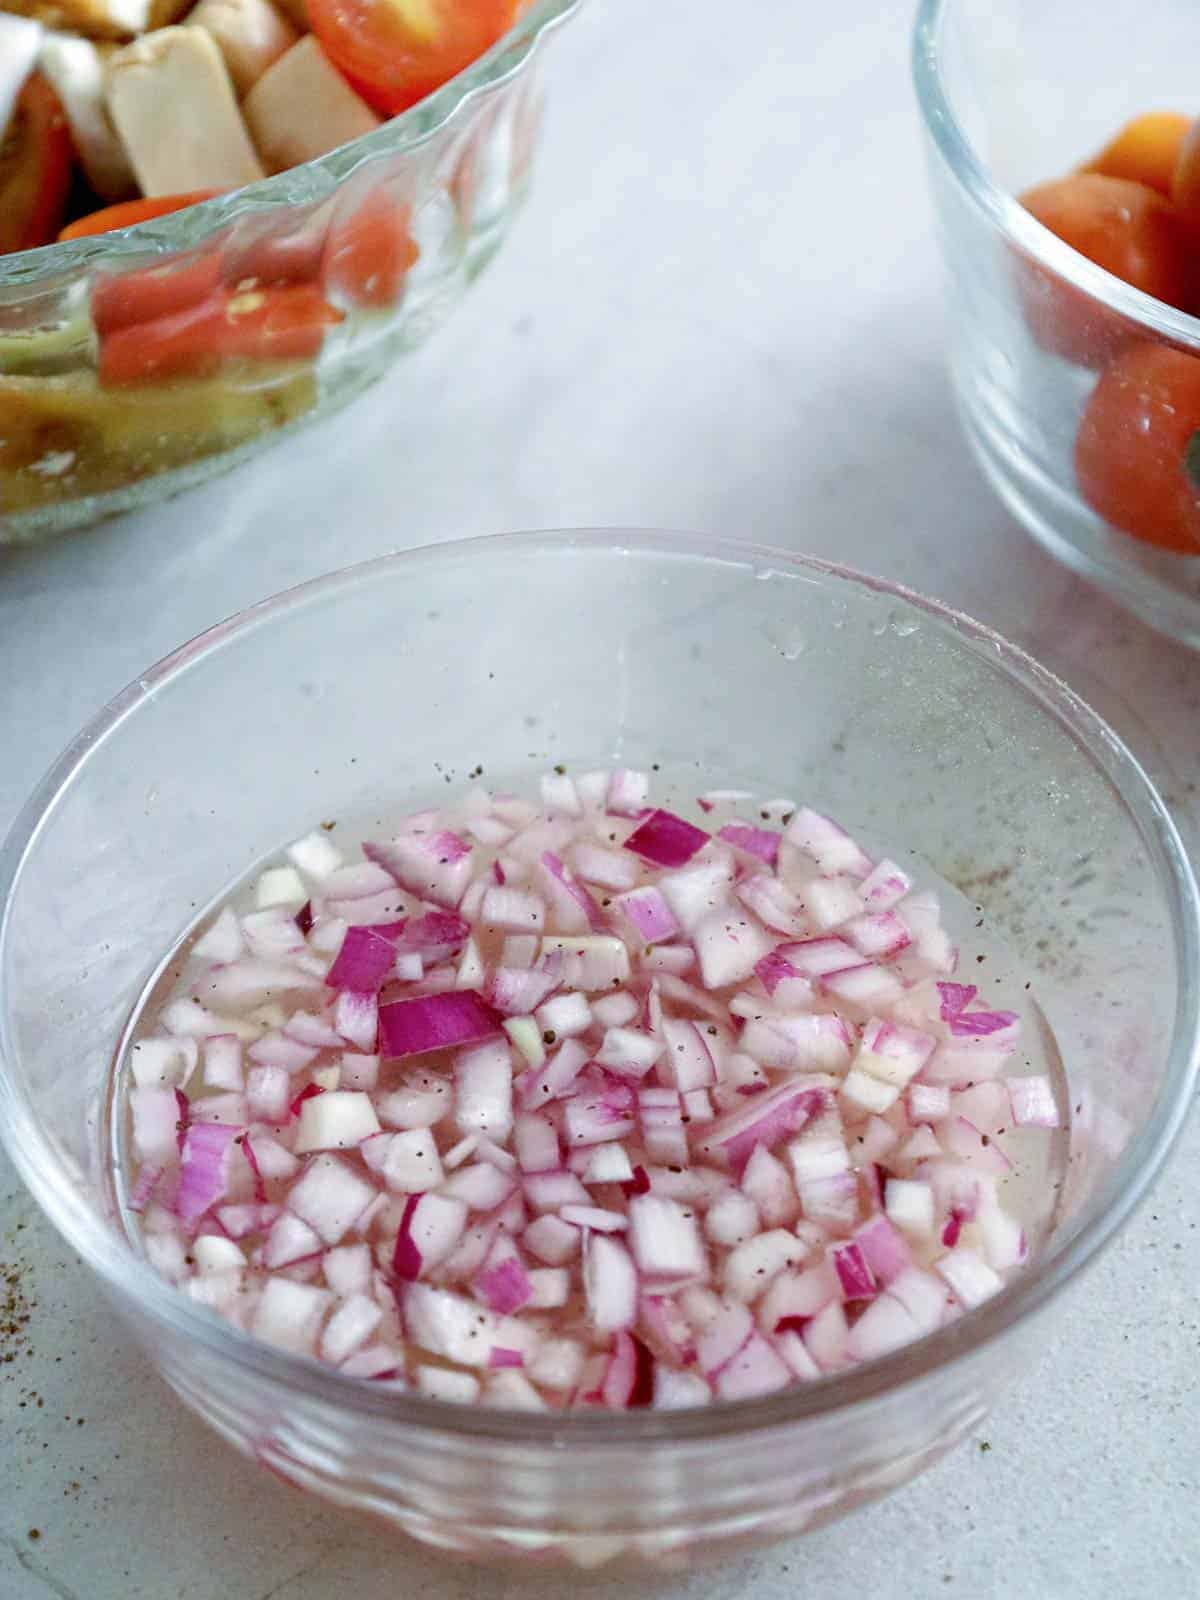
{"x":395,"y":52}
{"x":1145,"y":151}
{"x":1137,"y":454}
{"x":1126,"y":228}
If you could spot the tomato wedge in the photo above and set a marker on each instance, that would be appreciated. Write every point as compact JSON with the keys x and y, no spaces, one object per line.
{"x":130,"y":212}
{"x":395,"y":52}
{"x":287,"y":323}
{"x":1137,"y":456}
{"x":368,"y":254}
{"x":148,"y":293}
{"x":35,"y":169}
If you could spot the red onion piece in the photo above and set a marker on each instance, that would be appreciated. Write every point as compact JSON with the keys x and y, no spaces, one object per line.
{"x":629,"y":1378}
{"x":779,"y":1114}
{"x":955,"y":998}
{"x":854,"y":1273}
{"x":434,"y":866}
{"x":143,"y":1190}
{"x":883,"y":1248}
{"x":203,"y":1169}
{"x":984,"y":1024}
{"x":356,"y":1018}
{"x":434,"y":1022}
{"x":628,"y":793}
{"x":504,"y":1288}
{"x":648,"y":914}
{"x":519,"y":991}
{"x":760,"y":842}
{"x":666,"y":840}
{"x":572,"y":893}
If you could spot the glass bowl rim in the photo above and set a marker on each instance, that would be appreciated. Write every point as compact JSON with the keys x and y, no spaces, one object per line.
{"x":1002,"y":209}
{"x":306,"y":184}
{"x":130,"y":1277}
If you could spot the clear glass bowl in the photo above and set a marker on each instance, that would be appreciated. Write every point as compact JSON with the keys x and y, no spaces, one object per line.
{"x":1013,"y":92}
{"x":354,"y":692}
{"x":446,"y":176}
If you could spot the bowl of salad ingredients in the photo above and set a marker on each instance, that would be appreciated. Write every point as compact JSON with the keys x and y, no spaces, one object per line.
{"x":594,"y":1093}
{"x":1066,"y":179}
{"x":222,"y":219}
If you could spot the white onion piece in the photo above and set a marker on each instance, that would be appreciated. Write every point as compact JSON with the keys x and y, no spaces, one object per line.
{"x":483,"y":1090}
{"x":222,"y":941}
{"x":330,"y":1197}
{"x":564,"y":1015}
{"x":552,"y":1240}
{"x":610,"y":1284}
{"x":290,"y":1314}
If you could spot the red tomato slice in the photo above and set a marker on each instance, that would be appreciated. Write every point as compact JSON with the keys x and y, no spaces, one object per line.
{"x":288,"y":323}
{"x":368,"y":254}
{"x":35,"y":169}
{"x":395,"y":52}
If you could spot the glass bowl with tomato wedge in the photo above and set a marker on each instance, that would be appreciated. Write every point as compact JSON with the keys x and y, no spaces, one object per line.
{"x":220,"y":219}
{"x":1064,"y":154}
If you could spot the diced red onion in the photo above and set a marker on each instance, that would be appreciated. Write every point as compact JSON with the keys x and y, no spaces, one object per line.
{"x":203,"y":1169}
{"x":969,"y":1276}
{"x":518,"y":991}
{"x":815,"y":958}
{"x":589,"y":963}
{"x":356,"y":1018}
{"x":504,"y":1288}
{"x":826,"y":843}
{"x":595,"y":1218}
{"x":552,"y":1240}
{"x":648,"y":914}
{"x":773,"y":904}
{"x":565,"y":1015}
{"x":854,"y":1272}
{"x":954,"y":998}
{"x":628,"y":793}
{"x":994,"y":1026}
{"x":550,"y":1191}
{"x":610,"y":1284}
{"x":666,"y":840}
{"x":867,"y":987}
{"x":879,"y":934}
{"x":769,"y":1118}
{"x":629,"y":1379}
{"x":573,"y":907}
{"x":884,"y":1249}
{"x":760,"y":842}
{"x":433,"y":866}
{"x":434,"y":1022}
{"x":1033,"y":1102}
{"x":278,"y":1050}
{"x":557,"y":1076}
{"x":884,"y":886}
{"x":268,"y":1092}
{"x":609,"y":869}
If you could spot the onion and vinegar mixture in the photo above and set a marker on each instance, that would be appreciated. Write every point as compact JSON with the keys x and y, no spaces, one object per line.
{"x":577,"y":1103}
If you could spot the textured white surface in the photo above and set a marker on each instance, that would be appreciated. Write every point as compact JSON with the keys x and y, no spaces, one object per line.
{"x":721,"y":311}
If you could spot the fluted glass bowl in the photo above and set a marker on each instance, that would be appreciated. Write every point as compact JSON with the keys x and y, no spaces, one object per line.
{"x":360,"y":693}
{"x":1011,"y":93}
{"x":449,"y":174}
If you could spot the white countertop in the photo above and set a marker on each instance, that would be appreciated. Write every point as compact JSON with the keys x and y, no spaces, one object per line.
{"x":721,"y":311}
